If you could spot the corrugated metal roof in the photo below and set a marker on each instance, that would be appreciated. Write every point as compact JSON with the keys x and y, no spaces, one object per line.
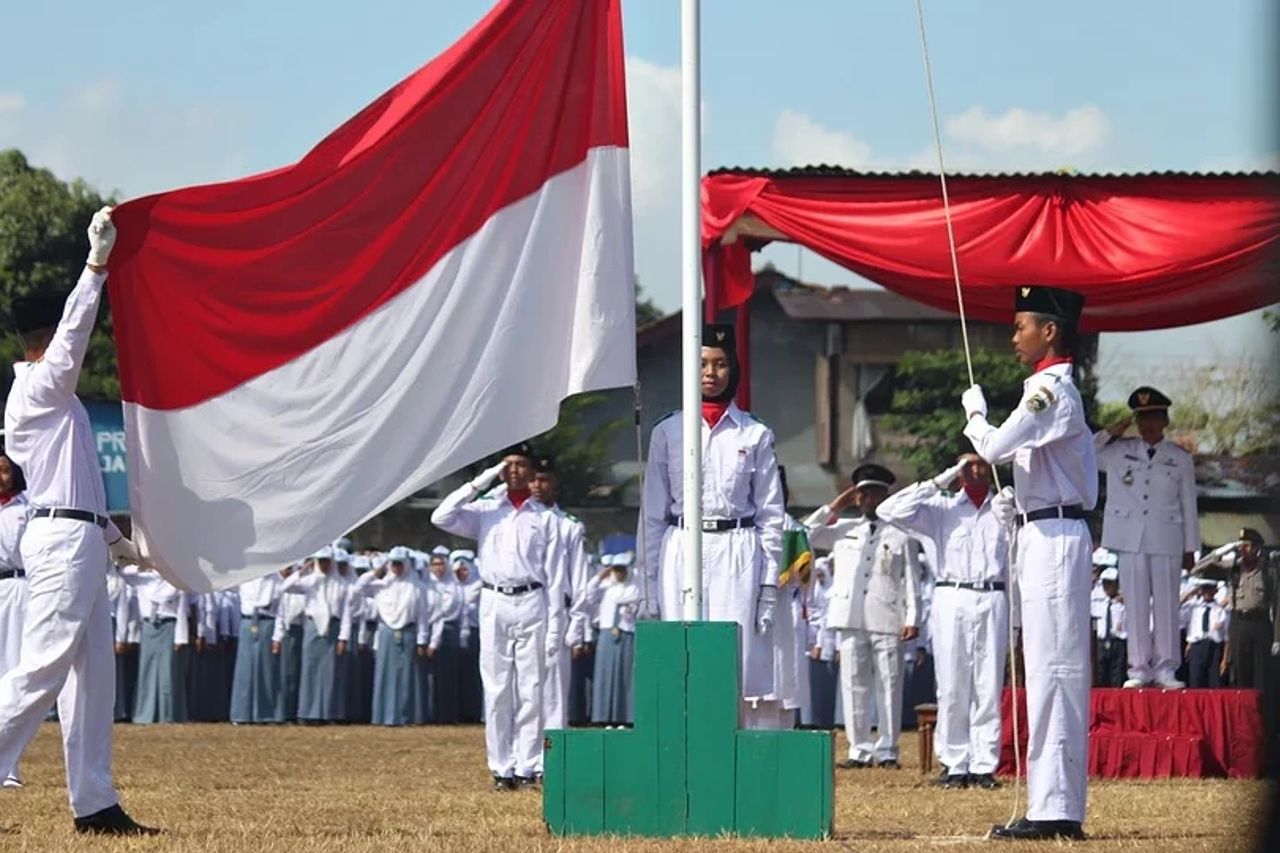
{"x":826,"y":171}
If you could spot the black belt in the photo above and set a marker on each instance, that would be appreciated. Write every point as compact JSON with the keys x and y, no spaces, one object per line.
{"x":715,"y":525}
{"x":1074,"y":511}
{"x":5,"y":574}
{"x":161,"y":620}
{"x":72,"y":515}
{"x":507,"y":589}
{"x":976,"y":586}
{"x":258,"y":616}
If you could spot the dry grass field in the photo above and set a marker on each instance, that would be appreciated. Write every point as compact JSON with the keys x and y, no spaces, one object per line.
{"x":220,"y":788}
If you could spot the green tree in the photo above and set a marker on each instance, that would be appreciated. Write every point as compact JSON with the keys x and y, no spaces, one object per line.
{"x":42,"y":250}
{"x":926,"y":402}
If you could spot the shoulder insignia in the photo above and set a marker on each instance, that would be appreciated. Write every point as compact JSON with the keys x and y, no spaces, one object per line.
{"x":1041,"y":400}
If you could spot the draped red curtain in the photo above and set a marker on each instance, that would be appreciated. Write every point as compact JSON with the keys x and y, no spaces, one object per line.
{"x":1149,"y":251}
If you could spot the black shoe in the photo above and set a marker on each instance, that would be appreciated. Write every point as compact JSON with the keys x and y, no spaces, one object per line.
{"x":504,"y":783}
{"x":985,"y":781}
{"x":889,"y":764}
{"x":112,"y":821}
{"x":1039,"y":830}
{"x":527,"y":782}
{"x":852,"y":764}
{"x":949,"y":781}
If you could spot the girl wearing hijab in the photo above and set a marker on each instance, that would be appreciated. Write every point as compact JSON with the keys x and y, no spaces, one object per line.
{"x":404,"y":632}
{"x":325,"y":594}
{"x":614,"y":598}
{"x":741,"y":521}
{"x":163,"y":654}
{"x":255,"y":688}
{"x":13,"y":583}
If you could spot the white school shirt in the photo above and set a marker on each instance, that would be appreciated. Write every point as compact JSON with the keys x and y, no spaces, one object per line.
{"x":158,"y":599}
{"x":970,"y":542}
{"x":1047,"y":439}
{"x":325,"y":595}
{"x":1219,"y":620}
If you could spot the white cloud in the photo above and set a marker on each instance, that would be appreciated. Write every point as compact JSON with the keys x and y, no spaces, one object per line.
{"x":1082,"y":130}
{"x":798,"y":140}
{"x":653,"y":116}
{"x":126,"y":139}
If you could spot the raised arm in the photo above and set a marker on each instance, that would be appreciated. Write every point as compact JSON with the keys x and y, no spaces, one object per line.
{"x":455,"y":514}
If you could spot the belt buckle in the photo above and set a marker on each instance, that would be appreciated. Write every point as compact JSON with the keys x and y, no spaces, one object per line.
{"x":709,"y":525}
{"x":506,"y":589}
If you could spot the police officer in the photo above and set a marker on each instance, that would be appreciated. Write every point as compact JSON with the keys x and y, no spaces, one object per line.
{"x":1254,"y":634}
{"x":1055,"y":474}
{"x":874,"y":604}
{"x":742,"y":522}
{"x":67,"y":630}
{"x":1152,"y":525}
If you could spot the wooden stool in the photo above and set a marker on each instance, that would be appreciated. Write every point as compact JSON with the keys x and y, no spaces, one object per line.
{"x":926,"y":721}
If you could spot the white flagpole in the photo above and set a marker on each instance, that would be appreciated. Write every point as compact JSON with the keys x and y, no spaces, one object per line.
{"x":691,"y":303}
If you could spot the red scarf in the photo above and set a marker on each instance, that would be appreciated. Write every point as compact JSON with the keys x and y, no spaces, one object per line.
{"x":1050,"y":362}
{"x":713,"y":412}
{"x":7,"y":496}
{"x":977,"y":493}
{"x":518,"y":498}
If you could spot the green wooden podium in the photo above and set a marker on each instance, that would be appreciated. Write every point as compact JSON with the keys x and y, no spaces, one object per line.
{"x":685,"y":768}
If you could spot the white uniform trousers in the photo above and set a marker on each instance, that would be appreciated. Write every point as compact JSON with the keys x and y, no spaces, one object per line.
{"x":555,"y":691}
{"x":1151,"y":584}
{"x":970,"y":631}
{"x":13,"y":603}
{"x":871,"y":671}
{"x":512,"y":661}
{"x":1054,"y":567}
{"x":67,"y":655}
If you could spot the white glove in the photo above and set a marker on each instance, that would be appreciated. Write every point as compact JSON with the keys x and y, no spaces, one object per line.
{"x":123,"y":551}
{"x":1275,"y":649}
{"x":974,"y":402}
{"x":552,"y":648}
{"x":947,"y":477}
{"x":102,"y":236}
{"x":464,"y":637}
{"x":765,"y":602}
{"x":487,"y":477}
{"x":1003,"y":507}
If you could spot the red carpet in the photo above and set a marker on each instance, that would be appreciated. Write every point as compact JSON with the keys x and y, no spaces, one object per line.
{"x":1158,"y":734}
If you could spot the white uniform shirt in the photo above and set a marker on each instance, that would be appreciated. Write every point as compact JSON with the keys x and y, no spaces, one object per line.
{"x":159,"y":600}
{"x":515,"y":546}
{"x":1046,"y":437}
{"x":739,"y":480}
{"x":610,"y":604}
{"x":970,"y":543}
{"x":325,"y":595}
{"x":577,"y":572}
{"x":260,"y":597}
{"x":1118,"y":630}
{"x":47,"y":430}
{"x":1151,"y":497}
{"x":819,"y":634}
{"x":1196,"y":610}
{"x":400,"y":601}
{"x":13,"y":522}
{"x":875,"y":584}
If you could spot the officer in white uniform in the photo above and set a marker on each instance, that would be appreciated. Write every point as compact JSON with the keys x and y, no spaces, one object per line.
{"x":14,"y":511}
{"x":66,"y":642}
{"x":874,"y":603}
{"x":969,"y":618}
{"x":742,"y":522}
{"x":555,"y":688}
{"x":1152,"y":525}
{"x":522,"y":612}
{"x":1055,"y":475}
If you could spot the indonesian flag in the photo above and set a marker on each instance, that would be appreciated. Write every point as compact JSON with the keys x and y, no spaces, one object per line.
{"x":301,"y":349}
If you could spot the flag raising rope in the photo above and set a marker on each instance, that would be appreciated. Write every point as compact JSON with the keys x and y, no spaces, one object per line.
{"x":968,"y":361}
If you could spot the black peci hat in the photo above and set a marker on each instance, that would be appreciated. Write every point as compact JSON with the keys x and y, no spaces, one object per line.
{"x":37,"y":311}
{"x":1065,"y":305}
{"x":522,"y":449}
{"x":544,"y":465}
{"x":720,"y":336}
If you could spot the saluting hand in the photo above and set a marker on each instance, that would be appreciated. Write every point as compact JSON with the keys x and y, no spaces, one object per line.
{"x":844,"y":500}
{"x":1121,"y":426}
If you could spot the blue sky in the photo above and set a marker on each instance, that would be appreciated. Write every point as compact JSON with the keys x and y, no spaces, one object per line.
{"x":150,"y":95}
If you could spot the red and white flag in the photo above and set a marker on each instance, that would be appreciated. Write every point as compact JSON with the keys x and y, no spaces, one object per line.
{"x":301,"y":349}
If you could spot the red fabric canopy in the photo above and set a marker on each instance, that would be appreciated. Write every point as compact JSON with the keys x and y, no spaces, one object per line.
{"x":1149,"y":251}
